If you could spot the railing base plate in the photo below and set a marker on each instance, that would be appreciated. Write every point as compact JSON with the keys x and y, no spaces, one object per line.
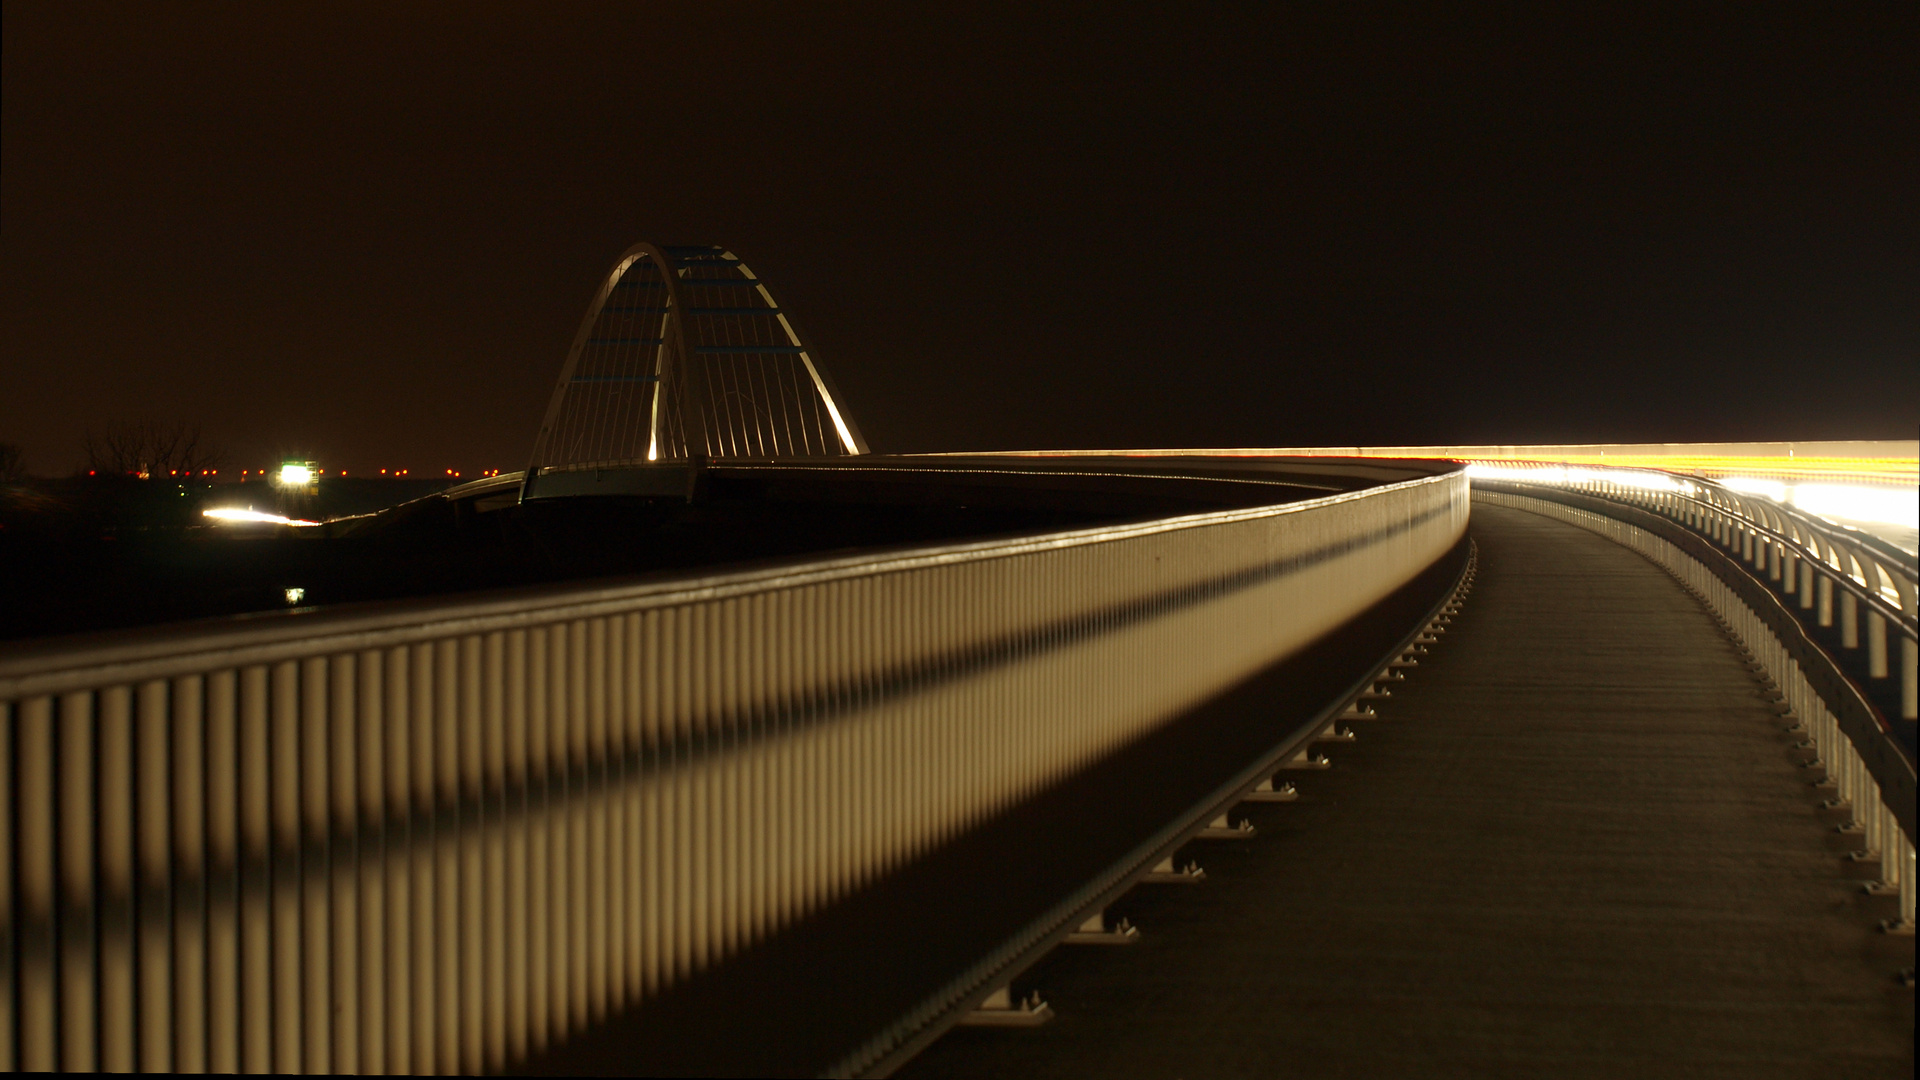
{"x":1021,"y":1017}
{"x":1268,"y":791}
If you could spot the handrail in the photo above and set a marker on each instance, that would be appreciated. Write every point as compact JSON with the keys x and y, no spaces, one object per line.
{"x":1861,"y":761}
{"x":1898,"y":562}
{"x":451,"y":834}
{"x":1903,"y":561}
{"x":54,"y":665}
{"x":1873,"y":597}
{"x":1786,"y":545}
{"x":915,"y":1028}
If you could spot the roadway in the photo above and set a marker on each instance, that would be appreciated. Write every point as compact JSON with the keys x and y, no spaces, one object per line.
{"x":1576,"y":844}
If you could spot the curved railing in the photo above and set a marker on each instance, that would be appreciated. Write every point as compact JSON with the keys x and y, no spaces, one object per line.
{"x":1151,"y":856}
{"x":1812,"y":562}
{"x":1729,"y":553}
{"x":444,"y":835}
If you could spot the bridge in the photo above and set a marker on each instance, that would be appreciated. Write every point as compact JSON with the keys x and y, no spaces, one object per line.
{"x":1377,"y":764}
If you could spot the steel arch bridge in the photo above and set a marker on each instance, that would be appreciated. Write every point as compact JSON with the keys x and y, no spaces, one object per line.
{"x":684,"y":355}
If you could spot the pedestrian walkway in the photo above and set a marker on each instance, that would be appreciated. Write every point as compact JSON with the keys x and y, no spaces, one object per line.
{"x":1576,"y":844}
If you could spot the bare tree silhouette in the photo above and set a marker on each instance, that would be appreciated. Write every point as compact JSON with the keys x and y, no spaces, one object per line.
{"x":13,"y":465}
{"x":149,"y":448}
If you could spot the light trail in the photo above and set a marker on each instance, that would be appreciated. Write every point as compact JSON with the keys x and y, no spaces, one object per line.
{"x":235,"y":514}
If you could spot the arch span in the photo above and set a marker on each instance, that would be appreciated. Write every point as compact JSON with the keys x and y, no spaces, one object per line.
{"x":684,"y":354}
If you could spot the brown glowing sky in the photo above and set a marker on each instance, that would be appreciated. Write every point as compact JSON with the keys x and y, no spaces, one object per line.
{"x":366,"y":235}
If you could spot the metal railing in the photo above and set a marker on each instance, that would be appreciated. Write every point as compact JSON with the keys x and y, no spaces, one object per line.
{"x":444,"y":835}
{"x":1861,"y":766}
{"x":915,"y":1028}
{"x":1811,"y":562}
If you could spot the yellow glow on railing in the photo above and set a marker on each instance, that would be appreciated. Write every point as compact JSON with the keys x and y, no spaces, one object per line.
{"x":1718,"y":467}
{"x":234,"y":513}
{"x":1876,"y":505}
{"x":1560,"y":474}
{"x":1859,"y":504}
{"x":1865,"y":463}
{"x":1747,"y":485}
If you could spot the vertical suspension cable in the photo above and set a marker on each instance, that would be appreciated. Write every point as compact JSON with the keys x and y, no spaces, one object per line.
{"x":779,"y":391}
{"x":625,"y":394}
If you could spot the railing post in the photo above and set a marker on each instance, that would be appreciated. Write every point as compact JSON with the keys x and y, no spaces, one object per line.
{"x":1849,"y":620}
{"x":1826,"y":599}
{"x":1876,"y":645}
{"x":1907,"y":869}
{"x":1806,"y":585}
{"x":1909,"y":691}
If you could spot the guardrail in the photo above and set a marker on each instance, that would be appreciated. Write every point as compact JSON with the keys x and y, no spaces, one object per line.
{"x":1859,"y":762}
{"x":914,"y":1029}
{"x":438,"y":836}
{"x":1808,"y":560}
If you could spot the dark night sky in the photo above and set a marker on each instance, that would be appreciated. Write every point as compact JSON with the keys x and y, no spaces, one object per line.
{"x":368,"y":234}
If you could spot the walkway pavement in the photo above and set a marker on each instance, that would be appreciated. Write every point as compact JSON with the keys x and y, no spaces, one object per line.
{"x":1575,"y":845}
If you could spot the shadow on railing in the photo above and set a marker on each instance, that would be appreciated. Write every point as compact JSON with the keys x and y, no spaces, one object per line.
{"x":450,"y":834}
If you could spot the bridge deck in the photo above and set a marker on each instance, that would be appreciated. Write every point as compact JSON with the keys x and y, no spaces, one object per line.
{"x":1576,"y":844}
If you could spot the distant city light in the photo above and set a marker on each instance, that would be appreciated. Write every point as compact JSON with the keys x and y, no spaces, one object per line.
{"x":234,"y":513}
{"x":294,"y":596}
